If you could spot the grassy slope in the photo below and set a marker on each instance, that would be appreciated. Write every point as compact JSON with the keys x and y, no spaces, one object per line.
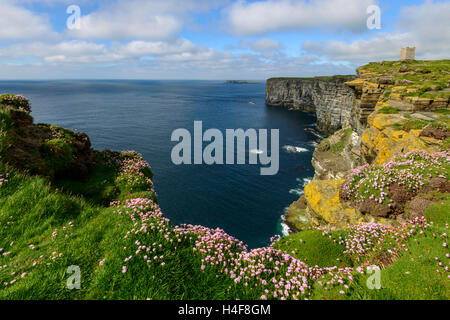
{"x":412,"y":276}
{"x":31,"y":210}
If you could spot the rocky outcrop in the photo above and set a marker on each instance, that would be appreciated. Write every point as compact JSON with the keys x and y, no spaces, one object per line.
{"x":41,"y":149}
{"x":324,"y":206}
{"x":385,"y":137}
{"x":328,"y":97}
{"x":385,"y":115}
{"x":337,"y":155}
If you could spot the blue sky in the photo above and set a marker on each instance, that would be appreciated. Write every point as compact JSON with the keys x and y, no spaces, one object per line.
{"x":212,"y":39}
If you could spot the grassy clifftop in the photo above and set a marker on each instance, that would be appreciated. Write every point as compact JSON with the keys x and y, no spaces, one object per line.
{"x":323,"y":78}
{"x":108,"y":225}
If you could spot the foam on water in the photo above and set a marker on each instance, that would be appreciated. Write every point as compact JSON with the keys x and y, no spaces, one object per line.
{"x":284,"y":227}
{"x":300,"y":190}
{"x":293,"y":149}
{"x":315,"y":133}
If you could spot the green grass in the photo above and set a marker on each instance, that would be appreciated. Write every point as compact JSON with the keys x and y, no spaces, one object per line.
{"x":32,"y":210}
{"x":388,"y":110}
{"x":373,"y":180}
{"x":411,"y":276}
{"x":99,"y":187}
{"x":429,"y":78}
{"x":443,"y":111}
{"x":339,"y":146}
{"x":438,"y":212}
{"x":313,"y":248}
{"x":58,"y":154}
{"x":324,"y":78}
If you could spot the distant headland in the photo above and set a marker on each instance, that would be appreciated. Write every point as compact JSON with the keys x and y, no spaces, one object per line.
{"x":243,"y":82}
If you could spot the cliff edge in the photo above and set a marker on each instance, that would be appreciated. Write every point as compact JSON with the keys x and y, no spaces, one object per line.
{"x":389,"y":162}
{"x":328,"y":97}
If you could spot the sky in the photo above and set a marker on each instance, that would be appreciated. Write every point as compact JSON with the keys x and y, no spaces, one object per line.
{"x":213,"y":39}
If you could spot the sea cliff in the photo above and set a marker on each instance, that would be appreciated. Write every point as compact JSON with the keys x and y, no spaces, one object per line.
{"x":391,"y":112}
{"x":328,"y":97}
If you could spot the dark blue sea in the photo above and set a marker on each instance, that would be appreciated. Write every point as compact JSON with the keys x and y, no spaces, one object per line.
{"x":141,"y":115}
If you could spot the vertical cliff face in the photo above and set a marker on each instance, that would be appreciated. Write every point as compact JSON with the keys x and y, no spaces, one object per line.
{"x":328,"y":97}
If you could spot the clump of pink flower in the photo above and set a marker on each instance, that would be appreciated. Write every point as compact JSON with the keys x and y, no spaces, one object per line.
{"x":370,"y":239}
{"x":17,"y":101}
{"x":412,"y":170}
{"x":3,"y":179}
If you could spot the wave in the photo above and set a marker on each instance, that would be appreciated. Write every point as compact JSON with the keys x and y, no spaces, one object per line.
{"x":315,"y":133}
{"x":313,"y":144}
{"x":300,"y":190}
{"x":294,"y":149}
{"x":285,"y":230}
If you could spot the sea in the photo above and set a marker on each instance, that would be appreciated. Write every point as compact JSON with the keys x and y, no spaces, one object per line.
{"x":141,"y":115}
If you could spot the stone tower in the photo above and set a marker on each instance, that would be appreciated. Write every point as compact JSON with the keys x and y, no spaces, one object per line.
{"x":407,"y":53}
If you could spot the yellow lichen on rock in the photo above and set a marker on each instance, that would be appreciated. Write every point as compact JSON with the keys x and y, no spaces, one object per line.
{"x":382,"y":121}
{"x":380,"y":141}
{"x":324,"y":202}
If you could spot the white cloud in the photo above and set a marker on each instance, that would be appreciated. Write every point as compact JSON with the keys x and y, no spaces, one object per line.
{"x":272,"y":16}
{"x":84,"y":52}
{"x":261,"y":45}
{"x":17,"y":23}
{"x":426,"y":26}
{"x":47,"y":52}
{"x":138,"y":19}
{"x":156,"y":48}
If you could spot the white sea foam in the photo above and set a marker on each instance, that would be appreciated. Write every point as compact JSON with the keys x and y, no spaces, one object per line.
{"x":314,"y":132}
{"x":294,"y":149}
{"x":300,"y":190}
{"x":284,"y":227}
{"x":297,"y":191}
{"x":313,"y":144}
